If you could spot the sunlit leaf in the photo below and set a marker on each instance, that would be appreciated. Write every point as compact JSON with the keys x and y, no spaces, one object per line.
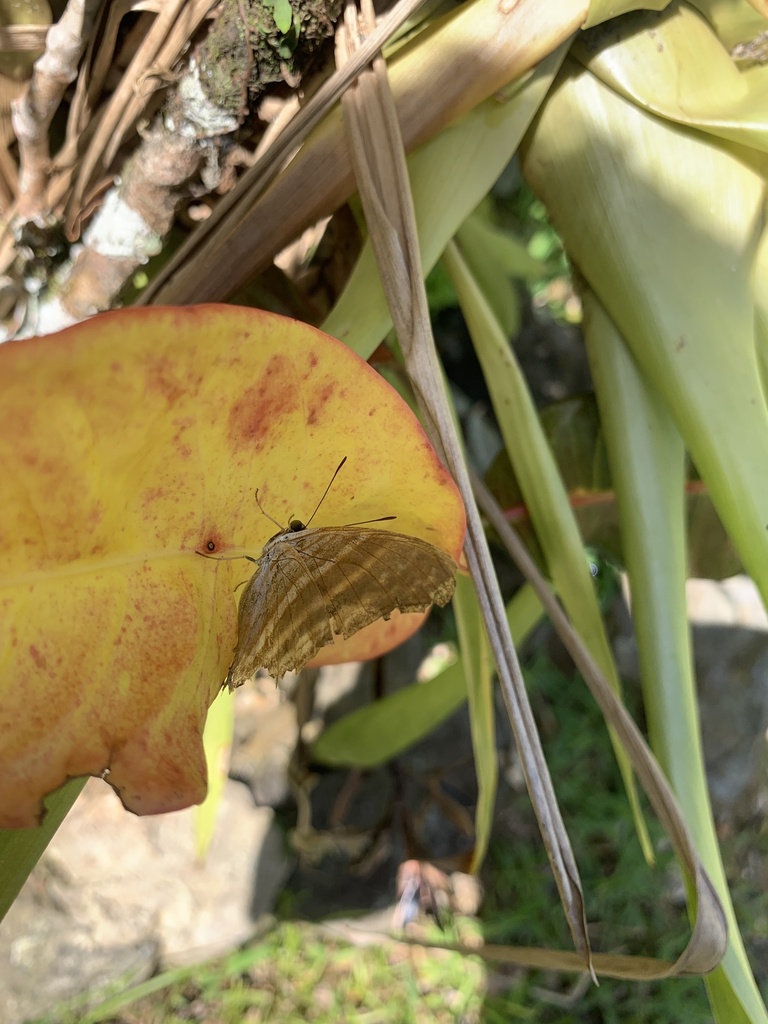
{"x":575,"y":435}
{"x":217,"y":743}
{"x":604,"y":10}
{"x":663,"y":223}
{"x":129,"y":443}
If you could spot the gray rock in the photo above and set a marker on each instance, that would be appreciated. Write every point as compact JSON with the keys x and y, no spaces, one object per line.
{"x":115,"y":896}
{"x":261,"y":758}
{"x":729,"y":631}
{"x":732,"y":676}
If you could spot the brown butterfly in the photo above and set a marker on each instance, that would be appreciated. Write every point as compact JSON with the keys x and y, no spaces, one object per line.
{"x":313,"y":584}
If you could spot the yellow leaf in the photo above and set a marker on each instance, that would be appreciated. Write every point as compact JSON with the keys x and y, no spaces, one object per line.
{"x":128,"y":443}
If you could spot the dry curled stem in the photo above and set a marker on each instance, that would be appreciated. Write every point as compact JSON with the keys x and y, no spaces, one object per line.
{"x":707,"y":944}
{"x":33,"y":112}
{"x":379,"y":159}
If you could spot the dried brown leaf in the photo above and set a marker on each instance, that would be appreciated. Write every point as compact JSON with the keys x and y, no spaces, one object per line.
{"x":176,"y":22}
{"x":378,"y":155}
{"x":490,"y":45}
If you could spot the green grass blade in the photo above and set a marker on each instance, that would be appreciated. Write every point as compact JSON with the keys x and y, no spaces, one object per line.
{"x":478,"y":674}
{"x":647,"y":463}
{"x":543,"y":489}
{"x":21,"y":848}
{"x":217,"y":742}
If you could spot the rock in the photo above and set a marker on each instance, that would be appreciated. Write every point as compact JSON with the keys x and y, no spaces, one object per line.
{"x":263,"y":754}
{"x":115,"y":896}
{"x":732,"y":677}
{"x":733,"y":601}
{"x":730,"y":642}
{"x":729,"y":629}
{"x":268,"y":720}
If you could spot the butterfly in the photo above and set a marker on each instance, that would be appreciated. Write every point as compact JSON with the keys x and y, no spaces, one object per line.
{"x":314,"y":584}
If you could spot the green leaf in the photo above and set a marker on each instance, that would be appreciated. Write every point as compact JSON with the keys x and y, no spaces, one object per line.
{"x":20,"y":849}
{"x":283,"y":15}
{"x":478,"y":677}
{"x":217,"y":742}
{"x":375,"y":734}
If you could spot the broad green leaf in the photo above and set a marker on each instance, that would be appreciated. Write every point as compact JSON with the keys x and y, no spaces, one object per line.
{"x":543,"y":489}
{"x":676,"y":67}
{"x":606,"y":10}
{"x":734,"y":21}
{"x":760,"y":291}
{"x":663,"y":225}
{"x":648,"y":458}
{"x":130,"y":442}
{"x":217,"y":743}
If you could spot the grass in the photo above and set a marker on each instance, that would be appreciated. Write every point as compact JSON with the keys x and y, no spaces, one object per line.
{"x":299,"y":972}
{"x":631,"y":907}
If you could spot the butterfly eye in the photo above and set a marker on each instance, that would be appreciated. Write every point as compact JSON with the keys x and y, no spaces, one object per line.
{"x":296,"y":526}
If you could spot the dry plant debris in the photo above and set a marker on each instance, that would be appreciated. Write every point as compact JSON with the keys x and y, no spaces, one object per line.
{"x":132,"y":108}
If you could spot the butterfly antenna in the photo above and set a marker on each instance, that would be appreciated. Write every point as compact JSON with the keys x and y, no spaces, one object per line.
{"x":364,"y":522}
{"x":325,"y":492}
{"x":269,"y":517}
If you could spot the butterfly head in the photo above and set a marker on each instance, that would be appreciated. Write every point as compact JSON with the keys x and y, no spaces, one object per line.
{"x":294,"y":526}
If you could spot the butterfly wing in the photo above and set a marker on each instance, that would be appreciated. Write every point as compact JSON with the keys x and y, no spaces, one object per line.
{"x":281,"y":620}
{"x":315,"y":583}
{"x":365,"y":574}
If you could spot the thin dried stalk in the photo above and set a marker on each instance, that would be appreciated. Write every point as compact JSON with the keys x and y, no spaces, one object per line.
{"x":9,"y":175}
{"x":33,"y":112}
{"x":379,"y":158}
{"x":709,"y":937}
{"x":221,"y":239}
{"x":176,"y":22}
{"x":23,"y":37}
{"x":99,"y":61}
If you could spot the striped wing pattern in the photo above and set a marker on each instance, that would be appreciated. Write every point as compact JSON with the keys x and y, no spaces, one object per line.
{"x":319,"y":582}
